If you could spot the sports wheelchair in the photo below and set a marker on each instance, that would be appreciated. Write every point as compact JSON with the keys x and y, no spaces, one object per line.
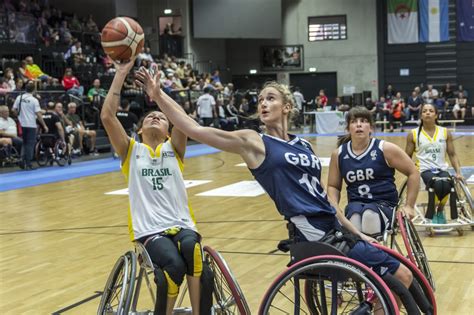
{"x":321,"y":279}
{"x":121,"y":294}
{"x":9,"y":155}
{"x":49,"y":149}
{"x":412,"y":247}
{"x":460,"y":203}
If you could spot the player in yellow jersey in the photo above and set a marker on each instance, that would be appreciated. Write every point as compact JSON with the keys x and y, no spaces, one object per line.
{"x":159,"y":214}
{"x":430,"y":143}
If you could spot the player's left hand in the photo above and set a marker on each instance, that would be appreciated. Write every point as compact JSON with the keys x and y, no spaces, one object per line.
{"x":367,"y":238}
{"x":408,"y":211}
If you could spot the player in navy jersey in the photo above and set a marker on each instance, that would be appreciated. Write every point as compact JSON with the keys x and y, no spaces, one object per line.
{"x":284,"y":165}
{"x":367,"y":165}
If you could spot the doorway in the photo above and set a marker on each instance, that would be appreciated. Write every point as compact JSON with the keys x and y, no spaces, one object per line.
{"x":311,"y":83}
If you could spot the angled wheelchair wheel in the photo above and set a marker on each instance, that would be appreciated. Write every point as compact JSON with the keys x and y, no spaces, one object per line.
{"x":328,"y":285}
{"x":465,"y":203}
{"x":414,"y":248}
{"x":424,"y":294}
{"x":118,"y":291}
{"x":228,"y":297}
{"x":41,"y":154}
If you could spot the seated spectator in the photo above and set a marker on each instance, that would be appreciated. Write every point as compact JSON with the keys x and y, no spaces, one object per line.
{"x":244,"y":108}
{"x":10,"y":78}
{"x":91,"y":26}
{"x":52,"y":121}
{"x":338,"y":105}
{"x":35,"y":70}
{"x":447,"y":92}
{"x":321,"y":99}
{"x":128,"y":120}
{"x":397,"y":113}
{"x":71,"y":134}
{"x":224,"y":122}
{"x":8,"y":130}
{"x":74,"y":55}
{"x":144,"y":55}
{"x":430,"y":95}
{"x":71,"y":84}
{"x":79,"y":126}
{"x":75,"y":24}
{"x":389,"y":92}
{"x":4,"y":87}
{"x":130,"y":87}
{"x":414,"y":105}
{"x":460,"y":106}
{"x":383,"y":109}
{"x":96,"y":94}
{"x":23,"y":73}
{"x":216,"y":76}
{"x":461,"y":90}
{"x":370,"y":105}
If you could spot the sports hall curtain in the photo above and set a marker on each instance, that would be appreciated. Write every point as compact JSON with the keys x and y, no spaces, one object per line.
{"x":402,"y":21}
{"x":434,"y":20}
{"x":465,"y":20}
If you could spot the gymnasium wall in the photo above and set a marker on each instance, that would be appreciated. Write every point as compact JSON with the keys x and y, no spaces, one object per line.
{"x":354,"y":59}
{"x":427,"y":63}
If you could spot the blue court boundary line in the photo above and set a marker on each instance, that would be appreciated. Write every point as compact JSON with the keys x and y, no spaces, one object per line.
{"x":23,"y":179}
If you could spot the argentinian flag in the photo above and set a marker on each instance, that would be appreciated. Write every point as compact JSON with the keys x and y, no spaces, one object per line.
{"x":434,"y":21}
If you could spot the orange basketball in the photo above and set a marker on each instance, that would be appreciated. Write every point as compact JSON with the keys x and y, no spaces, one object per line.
{"x":122,"y":38}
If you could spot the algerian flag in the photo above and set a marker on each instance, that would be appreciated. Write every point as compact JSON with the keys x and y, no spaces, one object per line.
{"x":402,"y":21}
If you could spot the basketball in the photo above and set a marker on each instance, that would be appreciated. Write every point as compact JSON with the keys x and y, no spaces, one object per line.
{"x":122,"y":38}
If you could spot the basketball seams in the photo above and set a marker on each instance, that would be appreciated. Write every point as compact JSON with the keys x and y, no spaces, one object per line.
{"x":131,"y":40}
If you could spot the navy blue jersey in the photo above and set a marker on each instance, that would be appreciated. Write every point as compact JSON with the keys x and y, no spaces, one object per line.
{"x":367,"y":175}
{"x":291,"y":175}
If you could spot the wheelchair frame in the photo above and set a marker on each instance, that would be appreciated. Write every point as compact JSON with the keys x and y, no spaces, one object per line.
{"x":465,"y":208}
{"x":122,"y":289}
{"x":59,"y":153}
{"x":347,"y":279}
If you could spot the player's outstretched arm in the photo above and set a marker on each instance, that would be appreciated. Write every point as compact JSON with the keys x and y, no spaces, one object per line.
{"x":246,"y":143}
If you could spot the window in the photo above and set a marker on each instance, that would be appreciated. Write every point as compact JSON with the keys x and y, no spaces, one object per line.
{"x":327,"y":28}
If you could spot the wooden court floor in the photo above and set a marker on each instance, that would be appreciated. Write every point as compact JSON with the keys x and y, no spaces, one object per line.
{"x":59,"y":241}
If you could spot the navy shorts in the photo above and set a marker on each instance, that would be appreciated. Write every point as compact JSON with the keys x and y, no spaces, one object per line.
{"x":378,"y":260}
{"x":383,"y":208}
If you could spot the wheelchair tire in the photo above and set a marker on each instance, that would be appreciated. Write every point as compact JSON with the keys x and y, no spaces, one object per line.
{"x":227,"y":293}
{"x":41,"y":154}
{"x":465,"y":200}
{"x":337,"y":272}
{"x":60,"y":152}
{"x":118,"y":291}
{"x":418,"y":276}
{"x":414,"y":247}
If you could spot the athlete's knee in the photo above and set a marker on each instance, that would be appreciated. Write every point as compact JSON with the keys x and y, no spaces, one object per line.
{"x":404,"y":275}
{"x":174,"y":270}
{"x":371,"y":222}
{"x":190,"y":249}
{"x":356,"y":220}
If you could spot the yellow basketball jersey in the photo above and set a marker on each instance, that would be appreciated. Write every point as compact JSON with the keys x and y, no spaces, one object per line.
{"x":157,"y":194}
{"x":431,"y":152}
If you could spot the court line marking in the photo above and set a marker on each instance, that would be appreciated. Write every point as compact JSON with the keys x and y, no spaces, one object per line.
{"x":78,"y":303}
{"x":244,"y":188}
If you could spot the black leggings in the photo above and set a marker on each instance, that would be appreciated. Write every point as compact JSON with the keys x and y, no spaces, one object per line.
{"x":176,"y":255}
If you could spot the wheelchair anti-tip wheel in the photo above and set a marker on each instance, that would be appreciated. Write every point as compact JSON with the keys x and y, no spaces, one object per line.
{"x":328,"y":284}
{"x":118,"y":291}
